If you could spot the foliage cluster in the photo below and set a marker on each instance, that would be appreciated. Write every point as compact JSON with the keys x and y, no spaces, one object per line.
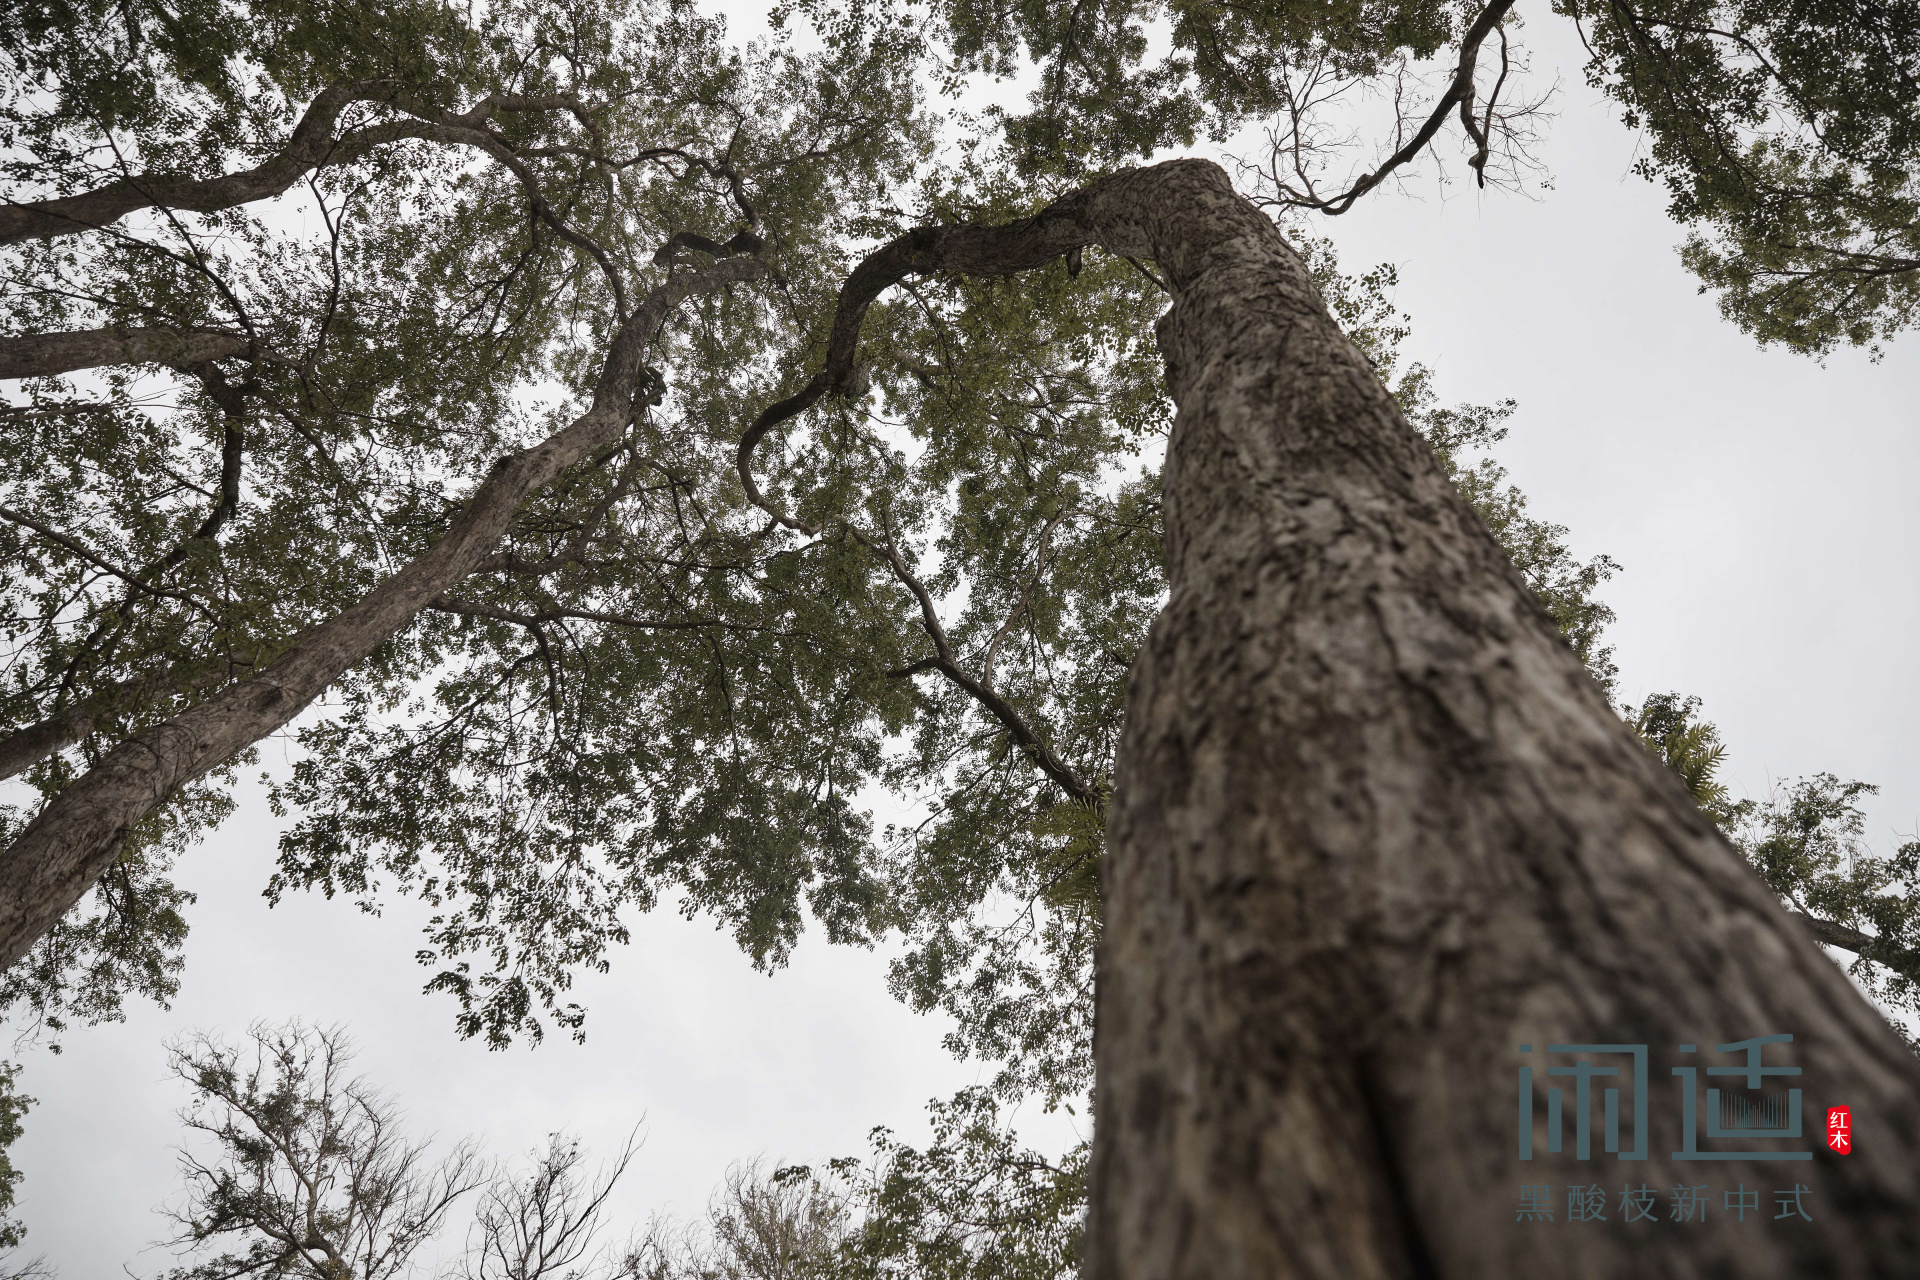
{"x":568,"y":731}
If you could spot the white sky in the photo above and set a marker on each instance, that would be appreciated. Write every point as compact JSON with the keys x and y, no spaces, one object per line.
{"x":1763,"y":507}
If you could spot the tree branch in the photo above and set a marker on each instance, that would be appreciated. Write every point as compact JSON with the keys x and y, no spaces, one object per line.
{"x":312,"y":146}
{"x":24,"y":748}
{"x":944,"y":662}
{"x":469,"y":609}
{"x":1901,"y":960}
{"x":137,"y":582}
{"x":1459,"y":93}
{"x":1026,"y":594}
{"x":962,"y":248}
{"x":42,"y":355}
{"x":67,"y":846}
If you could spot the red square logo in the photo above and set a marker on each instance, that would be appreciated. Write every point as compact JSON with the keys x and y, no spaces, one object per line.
{"x":1840,"y":1129}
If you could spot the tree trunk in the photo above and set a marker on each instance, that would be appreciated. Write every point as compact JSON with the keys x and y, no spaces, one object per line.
{"x":1374,"y":829}
{"x":76,"y":837}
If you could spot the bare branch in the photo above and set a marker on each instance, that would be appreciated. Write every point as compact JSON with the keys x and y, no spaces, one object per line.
{"x":1459,"y":93}
{"x":547,"y":1223}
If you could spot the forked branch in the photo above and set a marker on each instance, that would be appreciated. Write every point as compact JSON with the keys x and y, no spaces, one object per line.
{"x":1459,"y":94}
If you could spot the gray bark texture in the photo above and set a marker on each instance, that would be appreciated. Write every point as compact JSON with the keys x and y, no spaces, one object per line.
{"x":40,"y":355}
{"x":64,"y":850}
{"x":1374,"y":828}
{"x":24,"y":748}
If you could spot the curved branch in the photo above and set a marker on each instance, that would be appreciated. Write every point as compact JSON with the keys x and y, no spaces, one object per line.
{"x":312,"y":146}
{"x":42,"y":355}
{"x":1481,"y":130}
{"x":963,"y":248}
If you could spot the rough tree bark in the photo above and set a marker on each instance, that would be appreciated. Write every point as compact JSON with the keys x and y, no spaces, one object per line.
{"x":60,"y":855}
{"x":24,"y":748}
{"x":40,"y":355}
{"x":1374,"y":828}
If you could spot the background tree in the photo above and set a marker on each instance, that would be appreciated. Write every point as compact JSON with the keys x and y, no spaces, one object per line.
{"x":973,"y":1204}
{"x":309,"y":1173}
{"x":787,"y":1224}
{"x":13,"y":1108}
{"x":547,"y":1222}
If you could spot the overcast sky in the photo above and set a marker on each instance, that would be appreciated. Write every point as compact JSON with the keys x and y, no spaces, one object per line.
{"x":1763,"y":507}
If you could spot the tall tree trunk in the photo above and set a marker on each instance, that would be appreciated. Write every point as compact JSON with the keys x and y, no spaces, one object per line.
{"x":1374,"y":829}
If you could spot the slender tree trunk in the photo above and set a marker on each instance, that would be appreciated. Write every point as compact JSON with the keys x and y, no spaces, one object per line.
{"x":1374,"y":829}
{"x":75,"y":838}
